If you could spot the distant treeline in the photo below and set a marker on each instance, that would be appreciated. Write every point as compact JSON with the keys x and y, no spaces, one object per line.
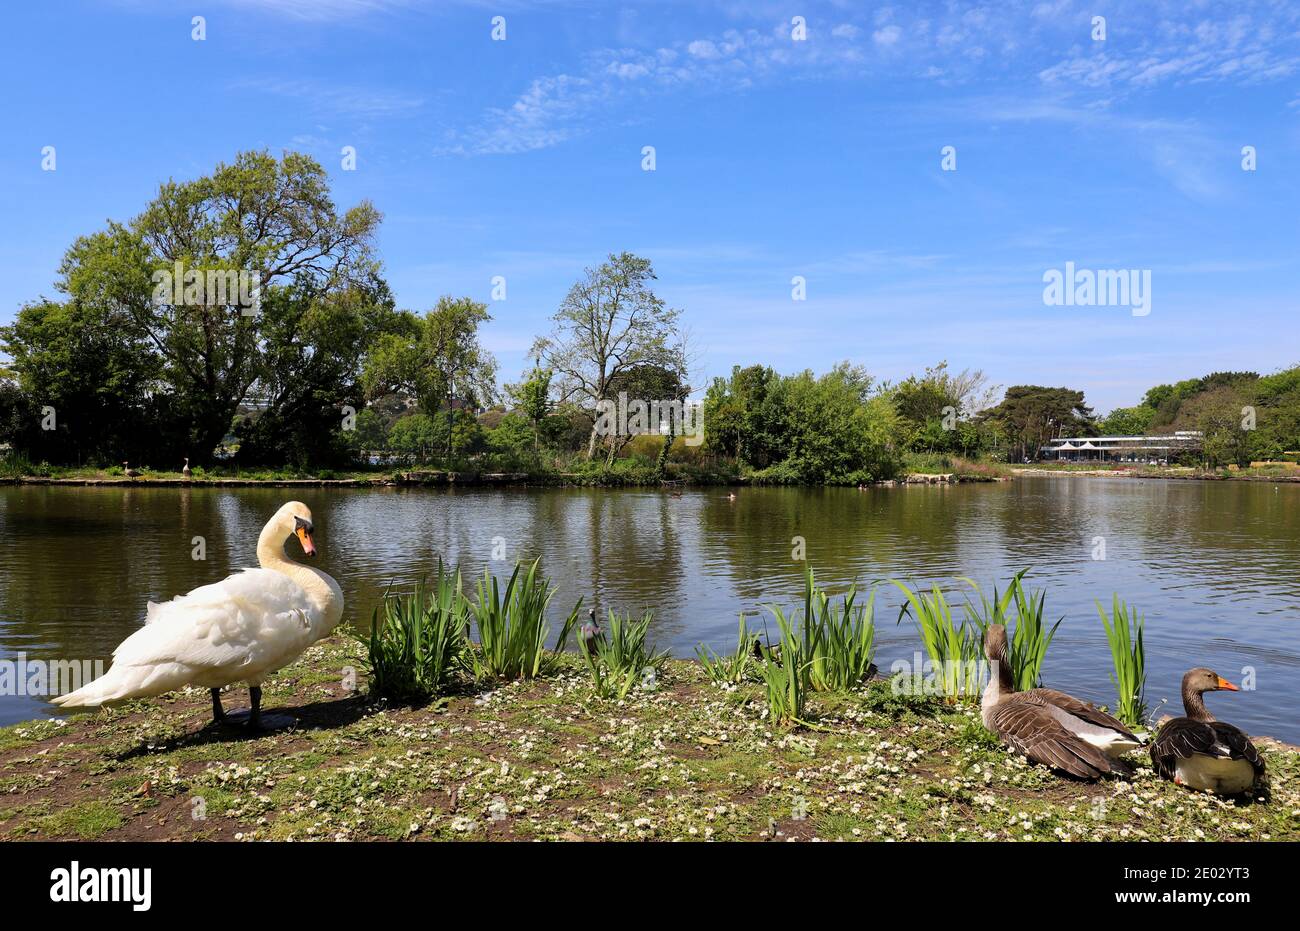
{"x":305,"y":361}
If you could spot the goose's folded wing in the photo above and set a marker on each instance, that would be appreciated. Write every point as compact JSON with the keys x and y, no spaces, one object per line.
{"x":1181,"y":739}
{"x":1082,"y":709}
{"x":1030,"y":728}
{"x":1239,"y":745}
{"x":220,"y":625}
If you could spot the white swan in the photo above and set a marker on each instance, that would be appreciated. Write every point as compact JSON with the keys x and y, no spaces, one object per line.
{"x":240,"y":629}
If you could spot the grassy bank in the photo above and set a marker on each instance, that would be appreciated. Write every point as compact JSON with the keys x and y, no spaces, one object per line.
{"x":545,"y":759}
{"x":1267,"y":473}
{"x":622,"y":473}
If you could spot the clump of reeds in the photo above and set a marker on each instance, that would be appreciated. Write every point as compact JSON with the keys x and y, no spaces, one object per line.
{"x":1124,"y":629}
{"x":845,"y":644}
{"x":785,"y":670}
{"x":1029,"y":637}
{"x":619,"y":658}
{"x":417,"y":646}
{"x":828,"y":647}
{"x":512,"y":626}
{"x":955,"y":649}
{"x":734,"y":668}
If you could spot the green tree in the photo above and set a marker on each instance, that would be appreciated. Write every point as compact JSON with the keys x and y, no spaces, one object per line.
{"x":187,"y":350}
{"x":610,"y":321}
{"x":1029,"y":415}
{"x":438,"y":360}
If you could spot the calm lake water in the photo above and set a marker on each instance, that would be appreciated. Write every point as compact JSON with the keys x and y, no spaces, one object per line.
{"x":1215,"y":567}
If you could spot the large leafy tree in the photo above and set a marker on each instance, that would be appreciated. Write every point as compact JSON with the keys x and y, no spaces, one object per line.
{"x":438,"y":360}
{"x":1031,"y":414}
{"x":271,"y":219}
{"x":610,"y":323}
{"x":84,"y":369}
{"x":314,"y":348}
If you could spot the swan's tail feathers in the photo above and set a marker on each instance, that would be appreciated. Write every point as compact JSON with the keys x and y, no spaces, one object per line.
{"x":122,"y":683}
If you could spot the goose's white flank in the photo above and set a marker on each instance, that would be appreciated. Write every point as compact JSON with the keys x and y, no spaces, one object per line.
{"x":240,"y":629}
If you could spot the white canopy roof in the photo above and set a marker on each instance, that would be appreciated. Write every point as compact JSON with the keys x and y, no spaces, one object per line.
{"x":1088,"y":445}
{"x":1067,"y":445}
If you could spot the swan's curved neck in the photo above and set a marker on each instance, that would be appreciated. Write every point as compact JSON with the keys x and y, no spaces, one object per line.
{"x":319,"y":587}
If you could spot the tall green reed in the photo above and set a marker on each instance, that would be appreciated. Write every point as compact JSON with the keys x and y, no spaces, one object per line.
{"x":827,"y":647}
{"x":787,"y":679}
{"x":619,"y":657}
{"x":1029,"y":635}
{"x":845,"y":646}
{"x":955,"y":649}
{"x":417,"y":646}
{"x":512,"y":626}
{"x":1124,"y":629}
{"x":732,"y":669}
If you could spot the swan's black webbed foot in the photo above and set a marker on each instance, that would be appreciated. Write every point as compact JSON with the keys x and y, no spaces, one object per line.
{"x":218,"y":713}
{"x":255,"y":712}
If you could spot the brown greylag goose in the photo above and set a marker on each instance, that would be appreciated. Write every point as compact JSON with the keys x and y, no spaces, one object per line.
{"x":1051,"y":727}
{"x":1201,"y":753}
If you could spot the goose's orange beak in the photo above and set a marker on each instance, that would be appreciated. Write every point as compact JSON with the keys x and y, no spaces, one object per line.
{"x":304,"y":537}
{"x":1225,"y":684}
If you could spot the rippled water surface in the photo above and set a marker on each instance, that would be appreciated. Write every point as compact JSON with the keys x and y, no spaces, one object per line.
{"x":1215,"y":567}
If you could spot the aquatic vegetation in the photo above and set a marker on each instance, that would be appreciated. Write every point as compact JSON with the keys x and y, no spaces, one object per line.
{"x":786,"y":671}
{"x":955,"y":650}
{"x":1029,"y":637}
{"x":418,"y":644}
{"x":1124,"y":628}
{"x":618,"y":657}
{"x":732,"y":669}
{"x":843,"y":650}
{"x":512,"y":627}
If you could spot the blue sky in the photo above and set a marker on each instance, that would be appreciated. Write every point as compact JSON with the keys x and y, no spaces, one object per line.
{"x":775,"y":158}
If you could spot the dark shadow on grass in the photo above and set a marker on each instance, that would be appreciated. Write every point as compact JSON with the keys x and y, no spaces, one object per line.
{"x":319,"y":715}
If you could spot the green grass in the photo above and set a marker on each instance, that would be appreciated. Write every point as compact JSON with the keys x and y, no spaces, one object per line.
{"x":1124,"y":630}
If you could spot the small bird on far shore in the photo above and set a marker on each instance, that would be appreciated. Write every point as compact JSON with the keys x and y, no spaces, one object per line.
{"x":185,"y":470}
{"x":128,"y":471}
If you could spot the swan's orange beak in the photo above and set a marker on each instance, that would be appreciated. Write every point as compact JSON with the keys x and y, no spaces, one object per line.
{"x":1225,"y":684}
{"x":304,"y":537}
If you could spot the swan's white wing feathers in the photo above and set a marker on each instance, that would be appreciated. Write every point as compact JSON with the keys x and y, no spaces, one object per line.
{"x":244,"y":620}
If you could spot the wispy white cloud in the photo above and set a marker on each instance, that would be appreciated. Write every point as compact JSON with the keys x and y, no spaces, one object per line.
{"x":339,"y":100}
{"x":957,"y":43}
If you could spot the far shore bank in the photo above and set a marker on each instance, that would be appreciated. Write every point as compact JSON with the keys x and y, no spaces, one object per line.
{"x":441,"y":477}
{"x":1174,"y":474}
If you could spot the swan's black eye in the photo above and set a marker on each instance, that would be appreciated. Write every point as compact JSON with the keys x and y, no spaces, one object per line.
{"x":300,"y":524}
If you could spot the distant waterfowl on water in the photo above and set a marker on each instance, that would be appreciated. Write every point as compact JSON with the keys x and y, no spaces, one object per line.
{"x":240,"y":629}
{"x":1200,"y":752}
{"x":1051,"y":727}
